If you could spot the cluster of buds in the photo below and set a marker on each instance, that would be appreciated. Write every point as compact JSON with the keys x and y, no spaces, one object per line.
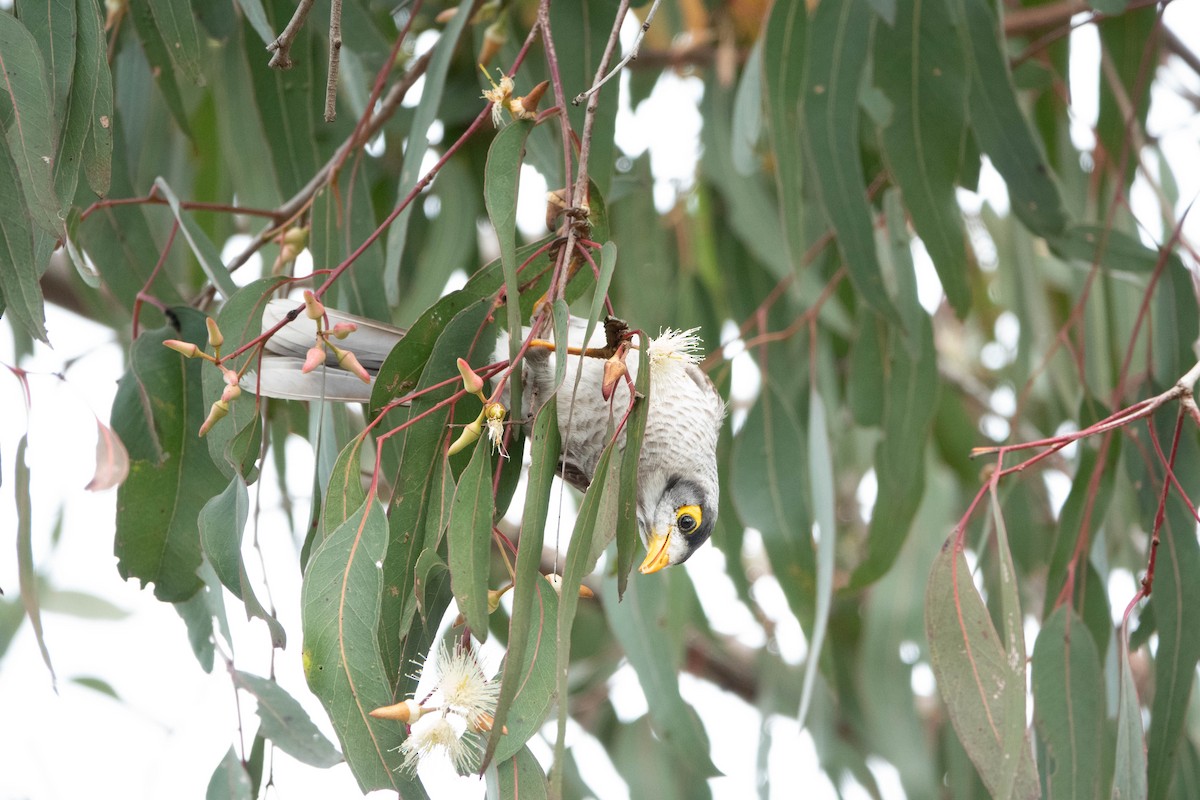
{"x":490,"y":416}
{"x":458,"y":708}
{"x":317,"y":353}
{"x":501,"y":98}
{"x":219,"y":409}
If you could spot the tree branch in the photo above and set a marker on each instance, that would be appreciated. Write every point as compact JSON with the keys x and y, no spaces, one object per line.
{"x":282,"y":46}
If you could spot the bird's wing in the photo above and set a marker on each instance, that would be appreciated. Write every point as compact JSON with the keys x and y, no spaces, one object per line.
{"x":371,"y":343}
{"x":280,"y":376}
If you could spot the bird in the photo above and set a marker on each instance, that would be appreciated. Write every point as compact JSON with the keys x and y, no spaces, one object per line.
{"x":678,"y":487}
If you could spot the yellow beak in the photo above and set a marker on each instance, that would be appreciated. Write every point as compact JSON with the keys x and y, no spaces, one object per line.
{"x":657,"y":556}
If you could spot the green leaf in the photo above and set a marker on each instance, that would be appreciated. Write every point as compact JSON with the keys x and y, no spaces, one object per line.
{"x":25,"y":108}
{"x":1176,"y":595}
{"x":345,"y":493}
{"x":768,"y":455}
{"x":1014,"y":647}
{"x":26,"y":571}
{"x":836,"y":56}
{"x":820,"y":470}
{"x":641,"y":622}
{"x":202,"y":247}
{"x":340,"y":601}
{"x":177,"y":26}
{"x":229,"y":780}
{"x":518,"y":778}
{"x":783,"y":55}
{"x":20,"y":291}
{"x":53,"y":26}
{"x":286,"y":723}
{"x":920,"y":66}
{"x":471,"y":538}
{"x":627,"y":500}
{"x":257,"y":17}
{"x":597,"y":512}
{"x":418,"y":142}
{"x":1067,"y":685}
{"x":240,"y":321}
{"x":974,"y":675}
{"x":532,"y":671}
{"x":157,"y":413}
{"x":222,"y":521}
{"x":1129,"y":772}
{"x":501,"y":183}
{"x":525,"y":631}
{"x":198,"y":613}
{"x":159,"y":56}
{"x":908,"y":391}
{"x":85,"y":114}
{"x":1111,"y":249}
{"x":1001,"y":129}
{"x":417,"y":454}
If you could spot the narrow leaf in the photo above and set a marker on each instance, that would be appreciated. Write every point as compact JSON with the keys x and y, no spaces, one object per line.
{"x":642,"y":622}
{"x":471,"y":538}
{"x":222,"y":521}
{"x":26,"y":571}
{"x":518,"y":778}
{"x":821,"y":474}
{"x":340,"y":601}
{"x":835,"y":57}
{"x":202,"y":247}
{"x":920,"y":66}
{"x":974,"y":674}
{"x":1014,"y":646}
{"x":635,"y":431}
{"x":286,"y":723}
{"x":229,"y":780}
{"x":533,"y":673}
{"x":418,"y":142}
{"x":544,"y":451}
{"x":1001,"y":129}
{"x":25,"y":111}
{"x":177,"y":26}
{"x":157,"y":413}
{"x":1129,"y":772}
{"x":1067,"y":687}
{"x":20,"y":290}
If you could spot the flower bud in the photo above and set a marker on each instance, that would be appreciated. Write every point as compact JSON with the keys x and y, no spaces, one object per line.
{"x":529,"y":103}
{"x":349,"y":362}
{"x":215,"y":337}
{"x":232,"y":392}
{"x":555,"y":580}
{"x":614,"y":370}
{"x":494,"y":596}
{"x":484,"y":722}
{"x":216,"y":413}
{"x":407,"y":711}
{"x":467,"y":437}
{"x":188,"y":349}
{"x":314,"y":308}
{"x":343,"y":329}
{"x":494,"y":38}
{"x":471,"y":380}
{"x":314,"y":358}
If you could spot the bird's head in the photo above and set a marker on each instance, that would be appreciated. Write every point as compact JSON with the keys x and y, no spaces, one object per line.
{"x":675,"y":521}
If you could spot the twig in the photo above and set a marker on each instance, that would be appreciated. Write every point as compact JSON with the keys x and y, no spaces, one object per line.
{"x":335,"y":59}
{"x":282,"y":46}
{"x":299,"y":201}
{"x":630,"y":56}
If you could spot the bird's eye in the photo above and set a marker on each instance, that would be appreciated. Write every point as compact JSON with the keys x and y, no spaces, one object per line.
{"x":687,"y":518}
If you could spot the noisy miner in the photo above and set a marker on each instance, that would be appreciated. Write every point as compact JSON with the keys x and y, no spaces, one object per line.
{"x":677,"y":470}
